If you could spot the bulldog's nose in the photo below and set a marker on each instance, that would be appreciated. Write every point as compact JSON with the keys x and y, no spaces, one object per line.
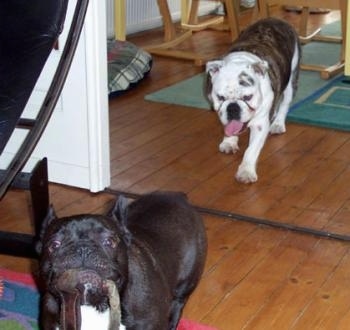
{"x":233,"y":112}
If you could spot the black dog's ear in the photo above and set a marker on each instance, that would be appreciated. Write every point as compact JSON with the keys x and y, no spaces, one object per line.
{"x":120,"y":215}
{"x":51,"y":215}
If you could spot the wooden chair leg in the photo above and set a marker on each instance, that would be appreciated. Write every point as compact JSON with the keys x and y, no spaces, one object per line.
{"x":303,"y":35}
{"x":169,"y":28}
{"x":232,"y":19}
{"x":230,"y":22}
{"x":171,"y":39}
{"x":193,"y":13}
{"x":332,"y":70}
{"x":189,"y":21}
{"x":261,"y":11}
{"x":192,"y":21}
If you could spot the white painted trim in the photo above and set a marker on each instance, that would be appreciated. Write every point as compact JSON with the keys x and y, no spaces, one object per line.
{"x":97,"y":93}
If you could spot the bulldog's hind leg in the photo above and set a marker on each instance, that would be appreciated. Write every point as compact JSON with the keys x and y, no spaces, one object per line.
{"x":278,"y":125}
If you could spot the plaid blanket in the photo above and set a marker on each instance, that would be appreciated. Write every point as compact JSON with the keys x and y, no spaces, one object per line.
{"x":127,"y":65}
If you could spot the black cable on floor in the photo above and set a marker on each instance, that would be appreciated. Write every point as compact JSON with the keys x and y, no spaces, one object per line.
{"x":253,"y":220}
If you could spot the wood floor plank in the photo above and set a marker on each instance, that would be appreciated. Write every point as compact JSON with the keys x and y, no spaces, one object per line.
{"x":234,"y":268}
{"x":340,"y":223}
{"x":290,"y":300}
{"x":150,"y":165}
{"x":159,"y":138}
{"x":263,"y":280}
{"x":330,"y":302}
{"x":223,"y":237}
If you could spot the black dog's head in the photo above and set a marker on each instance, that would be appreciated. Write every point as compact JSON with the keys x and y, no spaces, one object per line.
{"x":83,"y":252}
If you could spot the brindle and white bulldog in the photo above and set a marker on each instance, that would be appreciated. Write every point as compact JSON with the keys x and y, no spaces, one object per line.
{"x":253,"y":86}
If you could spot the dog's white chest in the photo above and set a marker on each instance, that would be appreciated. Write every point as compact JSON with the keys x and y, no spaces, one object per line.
{"x":91,"y":319}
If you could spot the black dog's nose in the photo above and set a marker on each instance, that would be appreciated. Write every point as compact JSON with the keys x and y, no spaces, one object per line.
{"x":84,"y":252}
{"x":233,"y":112}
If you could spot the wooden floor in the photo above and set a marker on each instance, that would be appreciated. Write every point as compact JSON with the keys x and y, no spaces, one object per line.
{"x":256,"y":276}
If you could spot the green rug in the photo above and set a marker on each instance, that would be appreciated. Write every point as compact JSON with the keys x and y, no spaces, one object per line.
{"x":328,"y":107}
{"x":190,"y":92}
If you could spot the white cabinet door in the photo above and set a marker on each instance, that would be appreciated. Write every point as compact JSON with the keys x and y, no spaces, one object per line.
{"x":76,"y":140}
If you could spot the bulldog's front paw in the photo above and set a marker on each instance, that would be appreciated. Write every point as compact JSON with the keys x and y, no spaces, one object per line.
{"x":246,"y":174}
{"x":277,"y":128}
{"x":229,"y":144}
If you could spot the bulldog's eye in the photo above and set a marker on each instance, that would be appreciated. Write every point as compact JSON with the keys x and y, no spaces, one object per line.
{"x":221,"y":98}
{"x":247,"y":98}
{"x":54,"y":245}
{"x":109,"y":242}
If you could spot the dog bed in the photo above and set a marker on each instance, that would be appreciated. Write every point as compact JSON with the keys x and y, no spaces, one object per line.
{"x":127,"y":65}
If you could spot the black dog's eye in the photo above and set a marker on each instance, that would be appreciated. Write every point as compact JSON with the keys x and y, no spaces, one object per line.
{"x":247,"y":98}
{"x":54,"y":245}
{"x":109,"y":242}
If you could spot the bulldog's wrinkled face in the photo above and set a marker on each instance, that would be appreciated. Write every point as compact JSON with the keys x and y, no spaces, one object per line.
{"x":89,"y":245}
{"x":236,"y":92}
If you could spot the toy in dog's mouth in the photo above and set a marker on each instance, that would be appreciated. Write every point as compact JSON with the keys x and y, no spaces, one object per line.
{"x":79,"y":279}
{"x":73,"y":286}
{"x":235,"y":127}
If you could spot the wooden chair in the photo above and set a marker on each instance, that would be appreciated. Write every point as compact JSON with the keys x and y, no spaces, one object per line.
{"x":229,"y":22}
{"x":262,"y":10}
{"x":190,"y":24}
{"x":29,"y":31}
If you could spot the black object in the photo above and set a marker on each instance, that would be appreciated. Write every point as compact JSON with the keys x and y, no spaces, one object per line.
{"x":28,"y":32}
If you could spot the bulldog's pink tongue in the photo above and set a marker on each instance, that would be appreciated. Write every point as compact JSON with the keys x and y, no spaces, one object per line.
{"x":233,"y":128}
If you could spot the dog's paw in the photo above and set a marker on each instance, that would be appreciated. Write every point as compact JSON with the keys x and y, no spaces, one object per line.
{"x":227,"y":148}
{"x":229,"y":145}
{"x":277,"y":128}
{"x":246,"y":174}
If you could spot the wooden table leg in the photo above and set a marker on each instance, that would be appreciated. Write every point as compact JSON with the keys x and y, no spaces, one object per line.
{"x":347,"y":43}
{"x":119,"y":19}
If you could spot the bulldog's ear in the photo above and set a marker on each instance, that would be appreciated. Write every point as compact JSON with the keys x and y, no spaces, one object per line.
{"x":120,"y":215}
{"x":260,"y":67}
{"x":212,"y":67}
{"x":50,"y":216}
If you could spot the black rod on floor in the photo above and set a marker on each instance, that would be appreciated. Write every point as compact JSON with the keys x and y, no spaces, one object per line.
{"x":253,"y":220}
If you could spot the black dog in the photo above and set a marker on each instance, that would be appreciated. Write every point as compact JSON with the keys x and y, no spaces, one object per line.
{"x":153,"y":251}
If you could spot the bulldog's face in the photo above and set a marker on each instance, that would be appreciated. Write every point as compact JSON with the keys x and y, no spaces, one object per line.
{"x":236,"y":92}
{"x":85,"y":250}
